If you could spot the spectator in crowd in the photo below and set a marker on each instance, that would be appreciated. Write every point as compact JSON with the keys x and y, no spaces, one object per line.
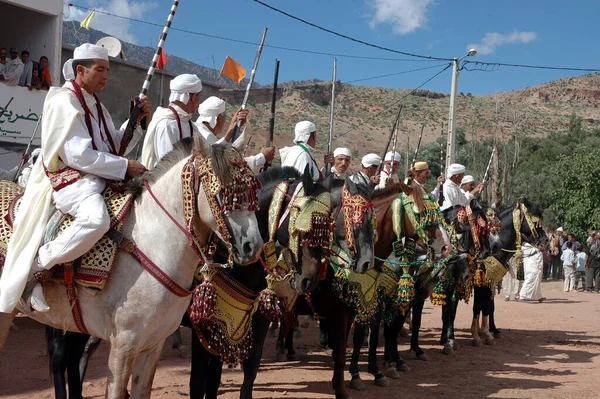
{"x":555,"y":252}
{"x":592,"y":266}
{"x":510,"y":283}
{"x":36,"y":83}
{"x":13,"y":69}
{"x":570,"y":238}
{"x":533,"y":264}
{"x":25,"y":79}
{"x":2,"y":59}
{"x":568,"y":261}
{"x":589,"y":239}
{"x":45,"y":74}
{"x":580,"y":258}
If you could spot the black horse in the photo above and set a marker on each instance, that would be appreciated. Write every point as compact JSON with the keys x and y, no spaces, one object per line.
{"x":483,"y":302}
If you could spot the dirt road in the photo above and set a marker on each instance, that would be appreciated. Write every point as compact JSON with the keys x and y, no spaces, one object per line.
{"x":549,"y":350}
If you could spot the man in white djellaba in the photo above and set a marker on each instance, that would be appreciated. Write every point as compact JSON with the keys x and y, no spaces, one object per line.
{"x":211,"y":123}
{"x":299,"y":156}
{"x":453,"y":195}
{"x":172,"y":123}
{"x":79,"y":153}
{"x":368,"y":173}
{"x":388,"y":173}
{"x":533,"y":267}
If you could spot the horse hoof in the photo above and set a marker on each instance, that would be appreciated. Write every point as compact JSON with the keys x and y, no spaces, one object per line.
{"x":498,"y":335}
{"x":392,"y":373}
{"x":404,"y":332}
{"x":490,"y":341}
{"x":184,"y":352}
{"x":448,"y":350}
{"x":293,"y":357}
{"x":281,"y":357}
{"x":422,"y":356}
{"x":477,"y":343}
{"x":381,"y":382}
{"x":454,"y":345}
{"x":403,"y":367}
{"x":357,"y":384}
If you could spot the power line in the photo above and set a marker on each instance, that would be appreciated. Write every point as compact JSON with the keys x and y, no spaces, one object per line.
{"x":348,"y":37}
{"x":253,"y":43}
{"x":391,"y":106}
{"x":394,"y":74}
{"x":555,"y":68}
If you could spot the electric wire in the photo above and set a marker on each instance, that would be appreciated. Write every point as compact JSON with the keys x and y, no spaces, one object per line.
{"x":555,"y":68}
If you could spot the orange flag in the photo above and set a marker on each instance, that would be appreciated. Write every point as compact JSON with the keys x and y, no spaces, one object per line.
{"x":162,"y":59}
{"x":233,"y":70}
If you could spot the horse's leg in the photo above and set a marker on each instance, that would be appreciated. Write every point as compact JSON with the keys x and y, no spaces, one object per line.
{"x":289,"y":345}
{"x":6,"y":320}
{"x":485,"y":310}
{"x":120,"y":365}
{"x":380,"y":378}
{"x":90,"y":347}
{"x":475,"y":323}
{"x":178,"y":344}
{"x":280,"y":346}
{"x":199,"y":369}
{"x":260,"y":326}
{"x":57,"y":353}
{"x":339,"y":322}
{"x":358,"y":340}
{"x":417,"y":312}
{"x":144,"y":369}
{"x":493,"y":329}
{"x":76,"y":343}
{"x":213,"y":376}
{"x":323,"y":334}
{"x":445,"y":320}
{"x":391,"y":355}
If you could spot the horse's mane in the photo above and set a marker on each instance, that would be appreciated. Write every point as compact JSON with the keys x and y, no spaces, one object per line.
{"x":533,"y":208}
{"x":181,"y":150}
{"x":278,"y":174}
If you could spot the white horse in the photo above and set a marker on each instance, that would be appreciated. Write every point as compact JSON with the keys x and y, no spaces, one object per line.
{"x":134,"y":311}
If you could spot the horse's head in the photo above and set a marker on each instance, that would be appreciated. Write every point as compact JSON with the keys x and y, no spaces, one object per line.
{"x":532,"y":225}
{"x":226,"y":197}
{"x":475,"y":229}
{"x":494,"y":228}
{"x":354,"y":221}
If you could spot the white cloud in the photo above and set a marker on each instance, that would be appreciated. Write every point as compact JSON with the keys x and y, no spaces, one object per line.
{"x":491,"y":40}
{"x":405,"y":16}
{"x":118,"y":27}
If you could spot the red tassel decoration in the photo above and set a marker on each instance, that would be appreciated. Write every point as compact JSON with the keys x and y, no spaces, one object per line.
{"x":204,"y":300}
{"x":270,"y":305}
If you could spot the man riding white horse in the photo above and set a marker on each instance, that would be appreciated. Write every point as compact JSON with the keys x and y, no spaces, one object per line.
{"x":79,"y":153}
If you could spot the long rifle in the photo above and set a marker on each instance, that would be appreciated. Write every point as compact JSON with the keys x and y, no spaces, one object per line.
{"x":330,"y":142}
{"x":22,"y":162}
{"x":387,"y":146}
{"x":250,"y":82}
{"x":486,"y":176}
{"x":128,"y":134}
{"x":272,"y":118}
{"x":6,"y":107}
{"x":414,"y":159}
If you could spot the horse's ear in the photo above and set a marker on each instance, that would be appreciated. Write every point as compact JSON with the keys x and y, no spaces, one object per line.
{"x":328,"y":182}
{"x":202,"y":146}
{"x":351,"y":186}
{"x":474,"y":204}
{"x":240,"y":142}
{"x":307,"y":181}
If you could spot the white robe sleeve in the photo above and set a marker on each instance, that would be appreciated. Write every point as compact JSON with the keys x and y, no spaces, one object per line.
{"x":77,"y":153}
{"x":165,"y":136}
{"x":255,"y":162}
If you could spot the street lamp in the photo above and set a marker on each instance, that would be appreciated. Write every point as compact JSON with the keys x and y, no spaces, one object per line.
{"x":451,"y":146}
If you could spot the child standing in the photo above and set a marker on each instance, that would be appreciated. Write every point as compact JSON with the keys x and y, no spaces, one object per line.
{"x":580,"y":258}
{"x":568,"y":261}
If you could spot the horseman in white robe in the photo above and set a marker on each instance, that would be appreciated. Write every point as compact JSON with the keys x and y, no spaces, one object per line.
{"x":389,"y":171}
{"x":341,"y":161}
{"x":211,"y":122}
{"x":299,"y":156}
{"x":368,"y":173}
{"x":79,"y":154}
{"x":172,"y":123}
{"x":453,"y":195}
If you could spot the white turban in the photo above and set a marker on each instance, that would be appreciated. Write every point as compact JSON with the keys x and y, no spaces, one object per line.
{"x":370,"y":160}
{"x":303,"y":130}
{"x":467,"y":179}
{"x":210,"y":109}
{"x":395,"y":155}
{"x":86,"y":51}
{"x":184,"y":85}
{"x":560,"y":230}
{"x":342,"y":151}
{"x":454,"y":169}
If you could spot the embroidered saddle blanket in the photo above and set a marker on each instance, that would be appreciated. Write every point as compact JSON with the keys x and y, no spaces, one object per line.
{"x":93,"y":268}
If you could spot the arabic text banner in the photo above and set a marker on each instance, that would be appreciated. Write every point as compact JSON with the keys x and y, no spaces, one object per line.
{"x":18,"y":121}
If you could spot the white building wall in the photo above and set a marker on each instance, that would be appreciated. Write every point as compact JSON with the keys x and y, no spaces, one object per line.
{"x":52,"y":7}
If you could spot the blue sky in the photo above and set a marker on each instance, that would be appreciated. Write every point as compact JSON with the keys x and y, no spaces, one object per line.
{"x":522,"y":32}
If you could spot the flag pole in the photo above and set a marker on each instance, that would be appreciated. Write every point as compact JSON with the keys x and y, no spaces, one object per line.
{"x":330,"y":143}
{"x":250,"y":82}
{"x":131,"y":124}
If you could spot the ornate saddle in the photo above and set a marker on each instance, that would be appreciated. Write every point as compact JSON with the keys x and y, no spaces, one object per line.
{"x":93,"y":268}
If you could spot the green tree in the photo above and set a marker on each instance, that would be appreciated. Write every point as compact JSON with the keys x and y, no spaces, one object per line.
{"x":577,"y":197}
